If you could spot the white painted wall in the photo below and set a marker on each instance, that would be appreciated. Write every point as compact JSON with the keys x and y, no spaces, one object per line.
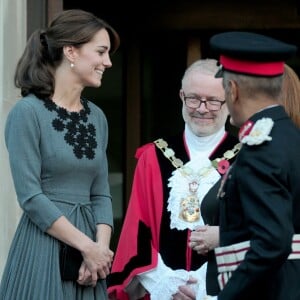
{"x":12,"y":43}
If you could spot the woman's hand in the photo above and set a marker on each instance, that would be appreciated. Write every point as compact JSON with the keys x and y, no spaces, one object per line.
{"x":97,"y":263}
{"x":105,"y":261}
{"x":85,"y":276}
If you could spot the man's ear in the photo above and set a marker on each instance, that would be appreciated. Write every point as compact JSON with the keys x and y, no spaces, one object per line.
{"x":181,"y":95}
{"x":234,"y":90}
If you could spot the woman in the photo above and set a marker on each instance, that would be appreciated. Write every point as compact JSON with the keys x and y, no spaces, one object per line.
{"x":57,"y":149}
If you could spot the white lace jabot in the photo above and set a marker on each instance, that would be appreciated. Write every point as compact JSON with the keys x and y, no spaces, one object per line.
{"x":190,"y":183}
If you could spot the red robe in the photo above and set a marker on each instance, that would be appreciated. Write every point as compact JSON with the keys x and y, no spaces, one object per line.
{"x":147,"y":211}
{"x":139,"y":242}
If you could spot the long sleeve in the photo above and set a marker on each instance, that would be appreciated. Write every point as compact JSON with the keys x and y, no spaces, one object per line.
{"x":22,"y":137}
{"x":100,"y":191}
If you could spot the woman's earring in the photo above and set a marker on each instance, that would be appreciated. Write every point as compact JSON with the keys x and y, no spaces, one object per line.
{"x":72,"y":65}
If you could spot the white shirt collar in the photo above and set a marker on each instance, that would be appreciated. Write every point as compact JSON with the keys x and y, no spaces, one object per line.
{"x":202,"y":145}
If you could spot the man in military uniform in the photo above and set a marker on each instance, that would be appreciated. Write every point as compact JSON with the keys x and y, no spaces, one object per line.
{"x":260,"y":195}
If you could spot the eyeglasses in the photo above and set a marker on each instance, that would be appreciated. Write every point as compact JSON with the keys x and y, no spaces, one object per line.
{"x":196,"y":101}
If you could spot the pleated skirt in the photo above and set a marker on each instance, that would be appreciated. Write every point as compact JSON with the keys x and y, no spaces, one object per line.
{"x":32,"y":268}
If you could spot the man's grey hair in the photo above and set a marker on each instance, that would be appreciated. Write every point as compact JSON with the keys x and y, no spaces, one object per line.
{"x":207,"y":66}
{"x":255,"y":85}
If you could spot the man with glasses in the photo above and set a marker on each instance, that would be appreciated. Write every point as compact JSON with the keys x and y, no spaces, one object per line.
{"x":195,"y":101}
{"x":172,"y":177}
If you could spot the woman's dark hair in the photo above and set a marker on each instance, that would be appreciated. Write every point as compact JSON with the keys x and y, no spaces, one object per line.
{"x":44,"y":49}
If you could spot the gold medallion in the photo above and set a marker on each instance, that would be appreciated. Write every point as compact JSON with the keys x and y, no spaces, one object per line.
{"x":190,"y":206}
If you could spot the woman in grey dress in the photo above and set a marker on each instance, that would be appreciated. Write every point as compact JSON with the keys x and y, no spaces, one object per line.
{"x":57,"y":149}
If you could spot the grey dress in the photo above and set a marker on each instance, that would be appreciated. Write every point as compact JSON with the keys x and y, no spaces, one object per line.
{"x":59,"y":167}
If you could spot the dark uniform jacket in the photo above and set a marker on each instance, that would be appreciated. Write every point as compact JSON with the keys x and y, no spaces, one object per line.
{"x":260,"y":202}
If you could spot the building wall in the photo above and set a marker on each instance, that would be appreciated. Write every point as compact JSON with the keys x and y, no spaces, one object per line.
{"x":12,"y":41}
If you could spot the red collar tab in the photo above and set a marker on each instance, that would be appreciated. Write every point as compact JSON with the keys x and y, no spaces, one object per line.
{"x":245,"y":129}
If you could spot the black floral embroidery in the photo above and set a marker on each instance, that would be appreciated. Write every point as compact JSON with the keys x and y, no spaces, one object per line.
{"x":58,"y":125}
{"x":78,"y":134}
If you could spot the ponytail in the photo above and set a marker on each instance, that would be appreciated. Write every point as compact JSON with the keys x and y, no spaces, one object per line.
{"x":34,"y":72}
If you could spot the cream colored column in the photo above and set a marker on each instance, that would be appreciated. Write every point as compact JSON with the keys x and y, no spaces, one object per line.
{"x":12,"y":42}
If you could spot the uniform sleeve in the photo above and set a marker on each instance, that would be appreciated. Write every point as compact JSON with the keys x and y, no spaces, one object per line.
{"x":100,"y":191}
{"x":22,"y":137}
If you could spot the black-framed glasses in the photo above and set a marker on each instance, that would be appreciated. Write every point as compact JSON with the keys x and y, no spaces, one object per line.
{"x":194,"y":102}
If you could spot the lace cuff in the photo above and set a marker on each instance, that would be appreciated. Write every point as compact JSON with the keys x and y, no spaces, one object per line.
{"x":162,"y":282}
